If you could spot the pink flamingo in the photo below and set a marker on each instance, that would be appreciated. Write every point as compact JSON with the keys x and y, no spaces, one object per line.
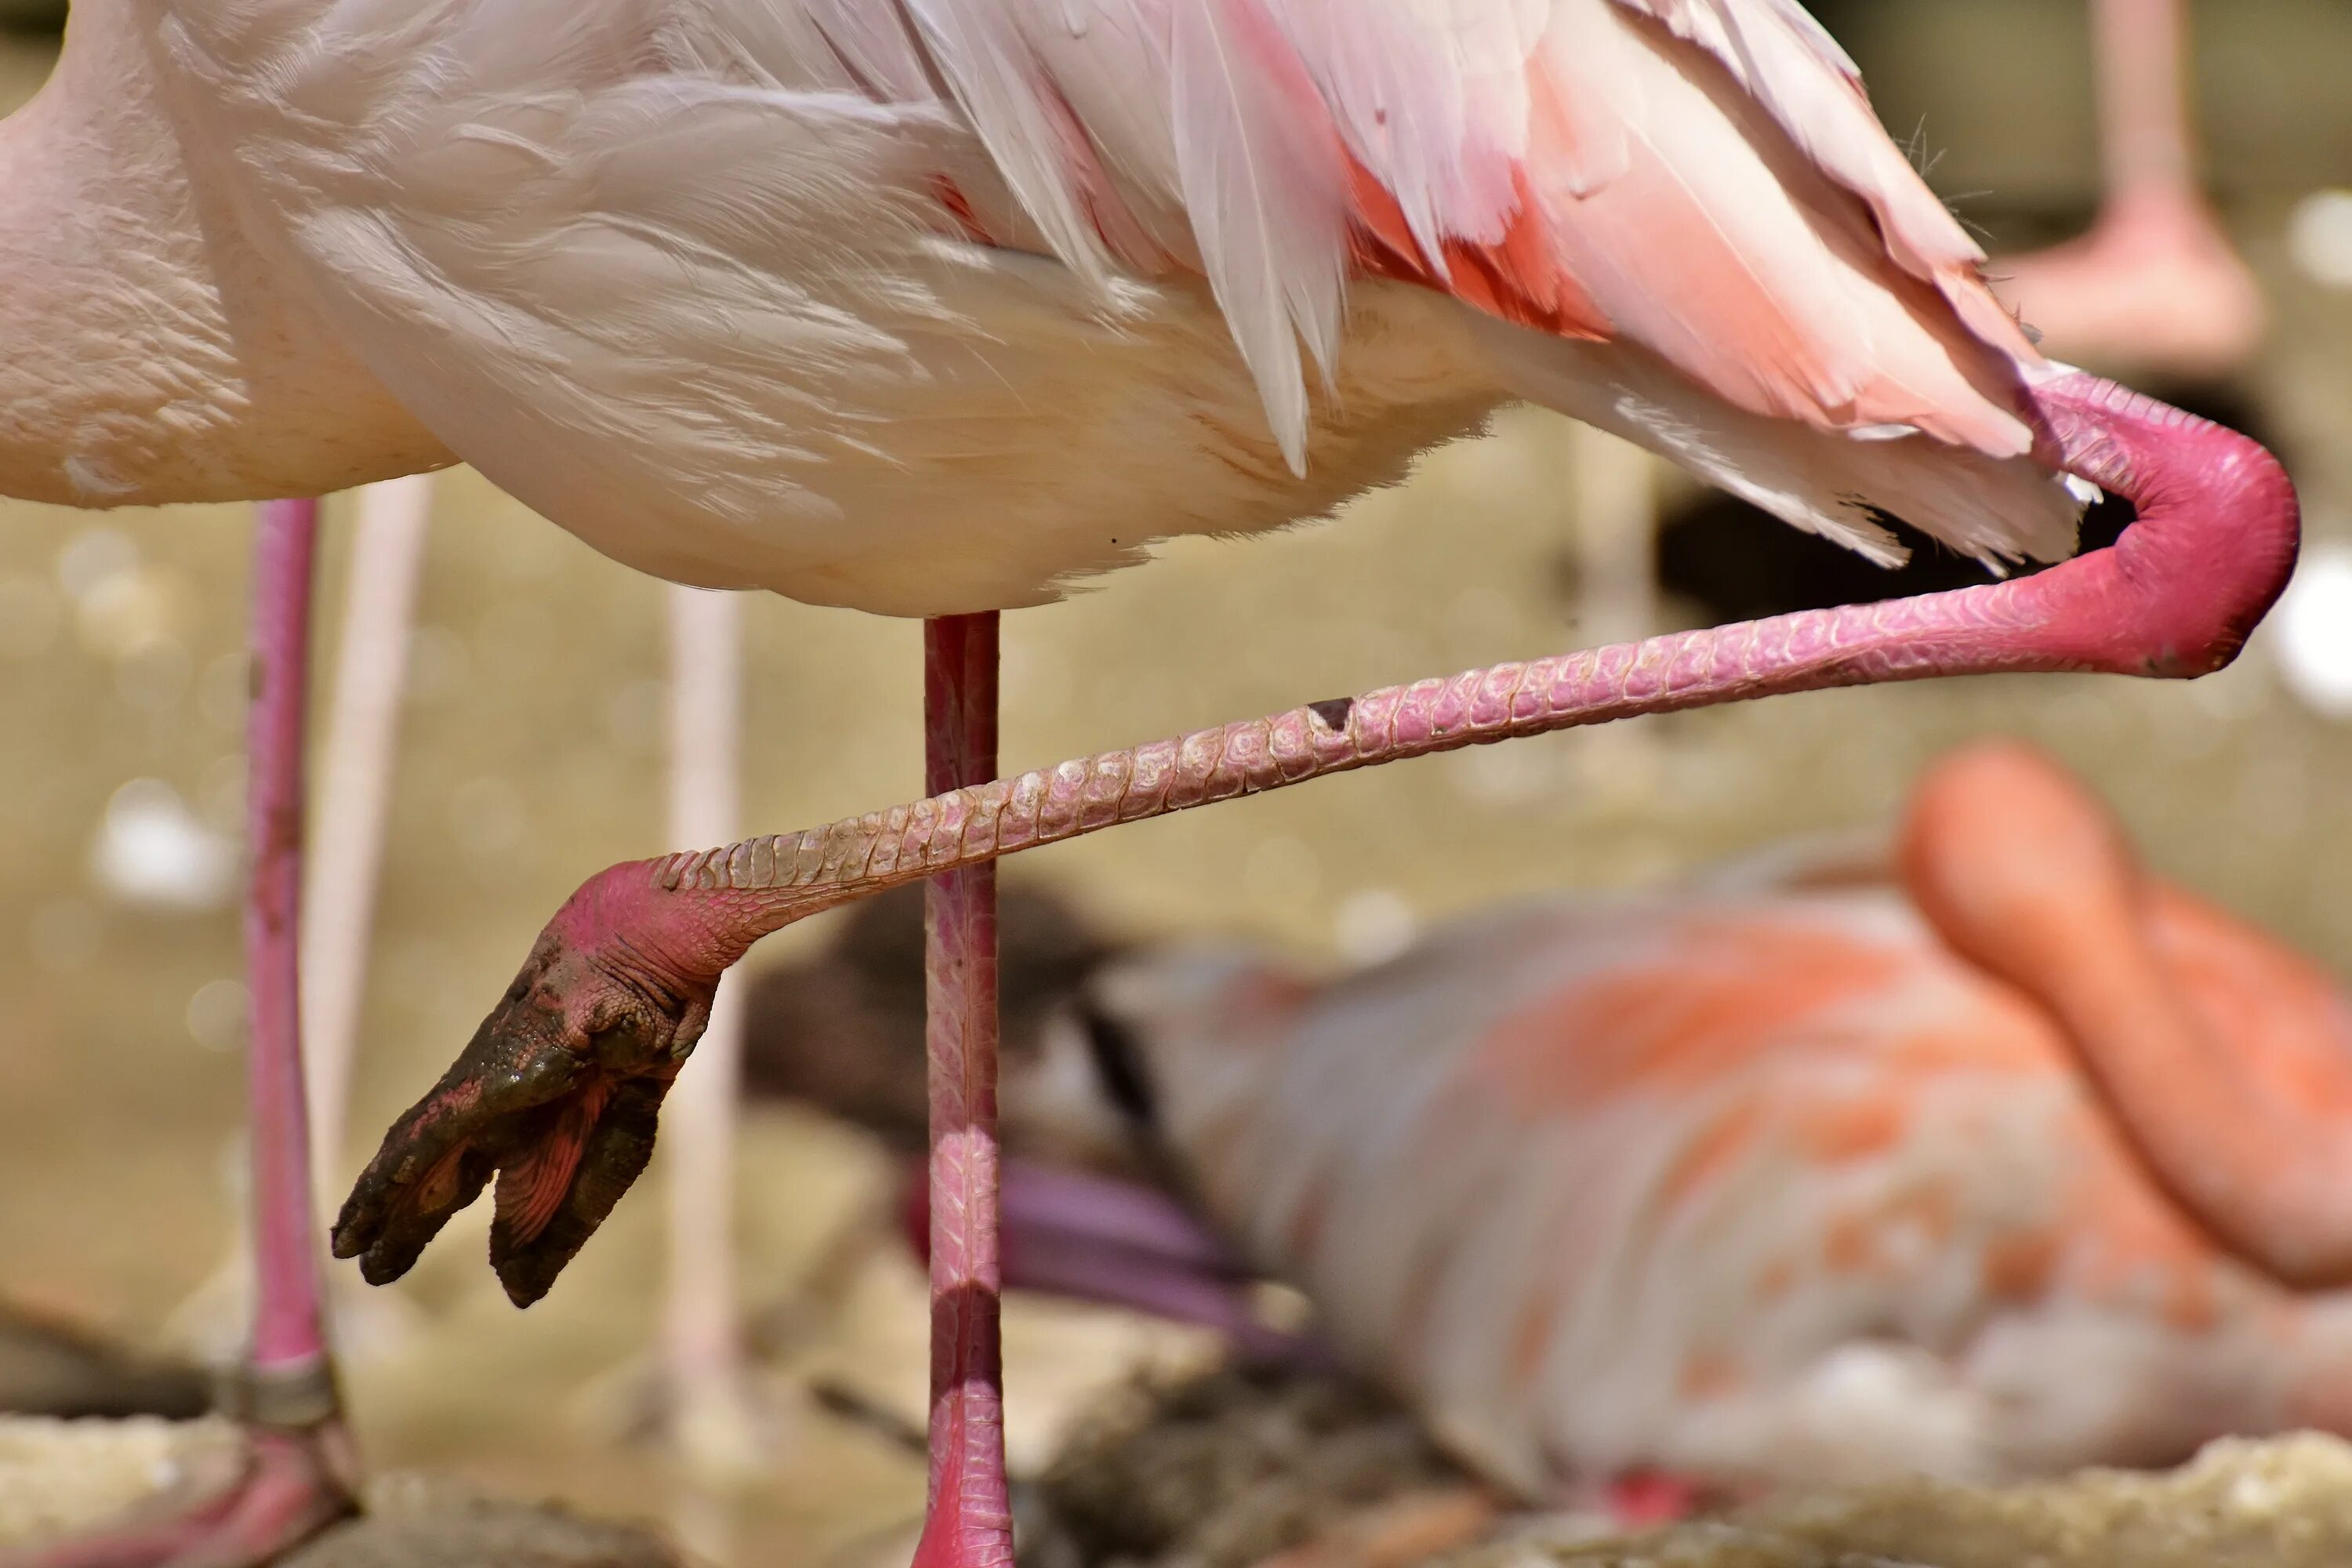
{"x":2156,"y":287}
{"x":1989,"y":1159}
{"x":929,"y":308}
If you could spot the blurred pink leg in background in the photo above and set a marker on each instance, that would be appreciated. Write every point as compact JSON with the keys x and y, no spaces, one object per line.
{"x":2156,"y":287}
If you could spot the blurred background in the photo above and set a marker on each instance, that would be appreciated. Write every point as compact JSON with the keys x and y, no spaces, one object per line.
{"x":532,"y":752}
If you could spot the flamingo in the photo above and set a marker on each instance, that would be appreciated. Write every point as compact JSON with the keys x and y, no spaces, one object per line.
{"x":931,"y":308}
{"x":1838,"y":1168}
{"x":2156,"y":287}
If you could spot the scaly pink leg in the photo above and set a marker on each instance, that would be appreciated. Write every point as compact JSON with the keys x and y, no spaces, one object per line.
{"x":299,"y":1465}
{"x":969,"y":1523}
{"x":2155,"y":287}
{"x":559,"y":1087}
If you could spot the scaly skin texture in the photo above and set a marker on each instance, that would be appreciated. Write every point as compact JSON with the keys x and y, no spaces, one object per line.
{"x":615,"y":993}
{"x":975,"y":1529}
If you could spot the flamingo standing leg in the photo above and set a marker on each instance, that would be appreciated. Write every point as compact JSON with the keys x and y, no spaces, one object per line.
{"x":2156,"y":287}
{"x":299,"y":1462}
{"x":969,"y":1521}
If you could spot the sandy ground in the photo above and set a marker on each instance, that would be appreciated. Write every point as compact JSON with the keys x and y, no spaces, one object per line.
{"x":532,"y":757}
{"x":2285,"y":1504}
{"x":1307,"y":1472}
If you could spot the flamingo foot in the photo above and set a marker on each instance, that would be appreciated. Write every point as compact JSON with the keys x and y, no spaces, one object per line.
{"x":292,"y":1485}
{"x":557,"y":1093}
{"x":2153,"y":288}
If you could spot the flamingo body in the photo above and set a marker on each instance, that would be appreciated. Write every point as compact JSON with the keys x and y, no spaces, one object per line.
{"x":1763,"y":1185}
{"x":930,"y":309}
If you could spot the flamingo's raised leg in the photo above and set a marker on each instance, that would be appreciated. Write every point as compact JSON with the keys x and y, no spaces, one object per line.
{"x":2155,"y":287}
{"x":559,"y":1089}
{"x":300,"y":1466}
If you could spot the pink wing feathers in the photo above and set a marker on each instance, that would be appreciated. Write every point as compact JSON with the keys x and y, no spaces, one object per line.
{"x":1700,"y":183}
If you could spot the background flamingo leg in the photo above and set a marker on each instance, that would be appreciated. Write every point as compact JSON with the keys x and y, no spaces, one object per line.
{"x":2156,"y":288}
{"x":300,"y":1466}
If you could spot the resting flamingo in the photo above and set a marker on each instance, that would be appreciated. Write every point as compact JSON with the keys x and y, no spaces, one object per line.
{"x":1832,"y":1168}
{"x":2156,"y":288}
{"x":930,"y":308}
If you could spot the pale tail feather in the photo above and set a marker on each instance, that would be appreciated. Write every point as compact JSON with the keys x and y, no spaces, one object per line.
{"x":1823,"y":481}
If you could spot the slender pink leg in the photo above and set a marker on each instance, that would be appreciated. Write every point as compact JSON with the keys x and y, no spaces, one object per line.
{"x":293,"y":1399}
{"x":559,"y":1089}
{"x":970,"y":1521}
{"x":298,"y":1473}
{"x":2155,"y":287}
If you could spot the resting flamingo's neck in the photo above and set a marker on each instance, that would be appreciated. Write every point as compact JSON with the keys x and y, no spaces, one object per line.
{"x":146,"y":352}
{"x":2025,"y":874}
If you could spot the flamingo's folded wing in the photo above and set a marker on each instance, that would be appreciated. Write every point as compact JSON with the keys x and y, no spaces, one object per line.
{"x":1701,"y":182}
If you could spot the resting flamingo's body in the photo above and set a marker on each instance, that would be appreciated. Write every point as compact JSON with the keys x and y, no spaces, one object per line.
{"x":1760,"y":1183}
